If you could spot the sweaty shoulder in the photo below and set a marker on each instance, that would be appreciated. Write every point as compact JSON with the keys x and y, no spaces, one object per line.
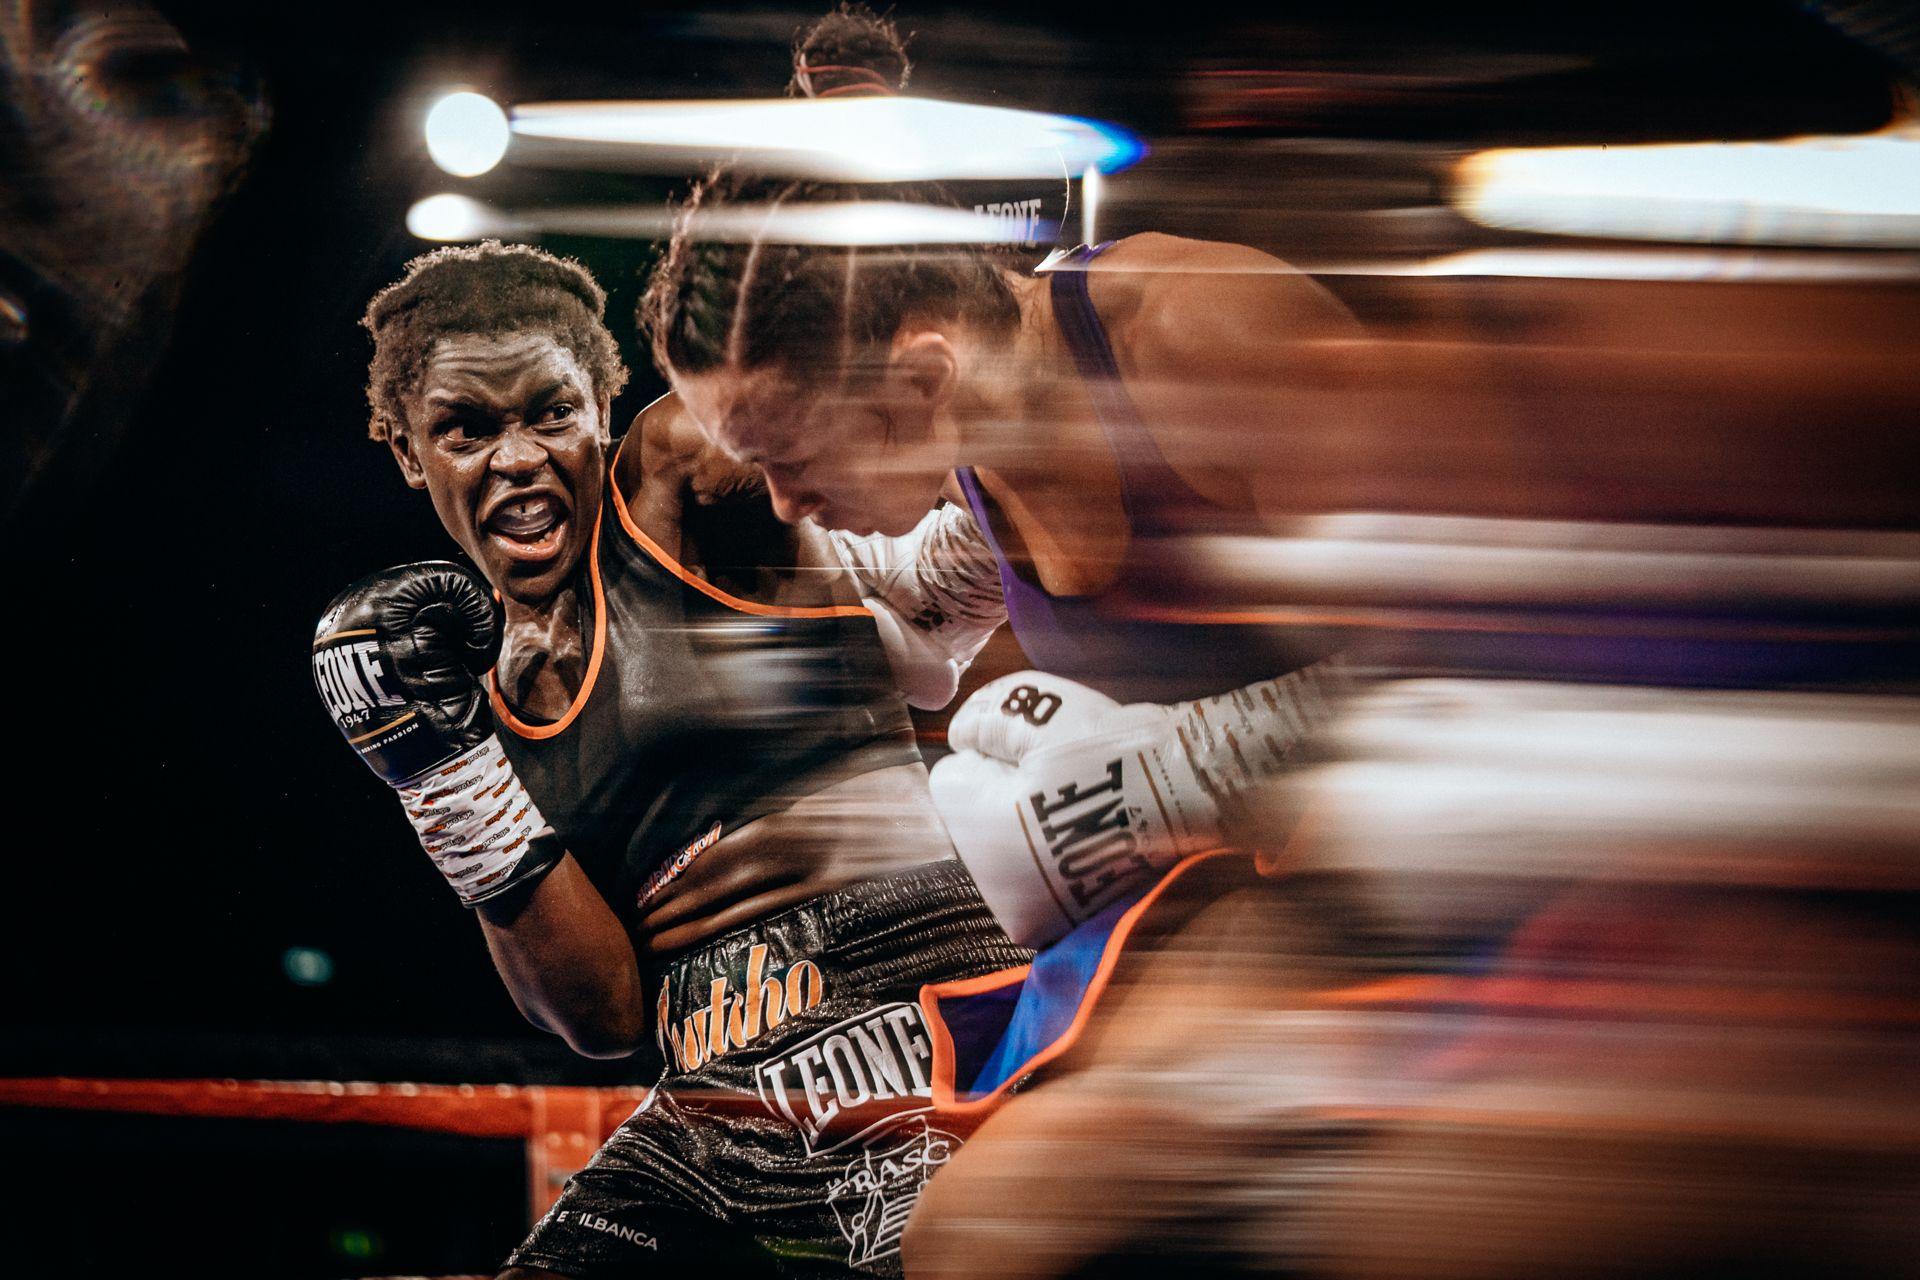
{"x":665,"y":450}
{"x":662,"y":444}
{"x":1174,"y":306}
{"x":713,"y":514}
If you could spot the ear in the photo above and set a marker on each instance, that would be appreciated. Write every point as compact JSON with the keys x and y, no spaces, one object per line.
{"x":400,"y":440}
{"x":924,"y":367}
{"x":606,"y":421}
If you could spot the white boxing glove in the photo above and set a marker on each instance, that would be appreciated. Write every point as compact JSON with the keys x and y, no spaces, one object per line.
{"x":1061,"y":802}
{"x":935,"y":595}
{"x":1019,"y":714}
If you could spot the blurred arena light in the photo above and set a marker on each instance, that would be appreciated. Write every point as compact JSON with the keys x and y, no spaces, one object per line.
{"x":307,"y":966}
{"x":847,"y":139}
{"x":1652,"y":264}
{"x":467,"y":134}
{"x":452,"y":217}
{"x":1859,"y":191}
{"x":449,"y":217}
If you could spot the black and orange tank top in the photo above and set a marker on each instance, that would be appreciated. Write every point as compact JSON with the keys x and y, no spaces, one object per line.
{"x":699,"y":713}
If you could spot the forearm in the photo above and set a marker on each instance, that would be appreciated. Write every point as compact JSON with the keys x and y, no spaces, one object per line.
{"x":398,"y":659}
{"x":568,"y":963}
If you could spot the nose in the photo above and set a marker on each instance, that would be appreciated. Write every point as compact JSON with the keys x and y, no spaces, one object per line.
{"x":517,"y":454}
{"x":792,"y":503}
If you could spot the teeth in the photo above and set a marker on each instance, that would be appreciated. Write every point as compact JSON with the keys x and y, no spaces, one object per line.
{"x":526,"y":517}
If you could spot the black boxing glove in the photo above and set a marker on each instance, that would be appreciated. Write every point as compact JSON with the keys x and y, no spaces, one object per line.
{"x":400,"y":659}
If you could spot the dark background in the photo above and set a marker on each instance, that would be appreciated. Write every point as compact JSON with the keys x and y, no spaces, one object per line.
{"x":181,"y":811}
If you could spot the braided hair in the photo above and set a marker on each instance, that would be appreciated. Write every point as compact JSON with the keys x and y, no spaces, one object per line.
{"x":812,"y":310}
{"x":852,"y":52}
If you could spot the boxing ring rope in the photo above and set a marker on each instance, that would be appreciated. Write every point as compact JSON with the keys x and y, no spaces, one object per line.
{"x":562,"y":1125}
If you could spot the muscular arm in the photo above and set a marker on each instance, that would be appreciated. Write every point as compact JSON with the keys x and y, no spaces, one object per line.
{"x":712,"y":513}
{"x":568,"y":963}
{"x":1242,"y":368}
{"x":423,"y":634}
{"x":658,"y":461}
{"x":1351,"y":442}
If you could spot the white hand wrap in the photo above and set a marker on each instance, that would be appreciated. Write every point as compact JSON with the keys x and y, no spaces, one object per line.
{"x":474,"y":818}
{"x":1234,"y":741}
{"x":935,"y":593}
{"x":1060,"y":801}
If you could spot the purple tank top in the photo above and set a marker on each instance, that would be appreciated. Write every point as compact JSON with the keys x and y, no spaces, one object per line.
{"x":1101,"y":640}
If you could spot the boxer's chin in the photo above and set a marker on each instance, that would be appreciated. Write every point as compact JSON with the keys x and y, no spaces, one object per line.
{"x":864,"y":522}
{"x":894,"y":525}
{"x":858,"y":526}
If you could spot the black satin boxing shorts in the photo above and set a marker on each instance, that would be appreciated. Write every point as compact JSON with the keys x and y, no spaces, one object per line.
{"x":792,"y":1130}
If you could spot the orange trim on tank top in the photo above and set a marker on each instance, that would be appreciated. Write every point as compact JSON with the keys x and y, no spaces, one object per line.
{"x":500,"y":707}
{"x":945,"y":1100}
{"x":706,"y":588}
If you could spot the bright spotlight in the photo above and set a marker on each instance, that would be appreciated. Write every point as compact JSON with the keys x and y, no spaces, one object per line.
{"x":467,"y":134}
{"x":451,"y":217}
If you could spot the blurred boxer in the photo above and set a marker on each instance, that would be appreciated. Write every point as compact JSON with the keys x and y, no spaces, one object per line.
{"x":671,"y":776}
{"x":1092,"y":800}
{"x":1065,"y":410}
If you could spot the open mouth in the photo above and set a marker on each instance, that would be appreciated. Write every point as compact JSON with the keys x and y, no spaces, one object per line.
{"x":530,"y":528}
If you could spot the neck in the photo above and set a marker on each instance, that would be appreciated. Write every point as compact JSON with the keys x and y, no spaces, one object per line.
{"x":544,"y":649}
{"x":1000,"y":412}
{"x":555,"y":613}
{"x":1033,"y":433}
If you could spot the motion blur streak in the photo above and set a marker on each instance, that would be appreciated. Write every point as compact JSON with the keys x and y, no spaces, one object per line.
{"x":1834,"y":191}
{"x":1561,"y":979}
{"x":867,"y":222}
{"x":1592,"y":947}
{"x":1642,"y":264}
{"x":1414,"y":560}
{"x":1533,"y":779}
{"x":848,"y":140}
{"x":1586,"y":944}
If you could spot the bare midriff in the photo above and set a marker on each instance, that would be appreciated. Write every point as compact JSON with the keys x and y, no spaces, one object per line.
{"x":861,"y":828}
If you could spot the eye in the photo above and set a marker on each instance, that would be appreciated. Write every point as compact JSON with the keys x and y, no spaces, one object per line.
{"x":558,"y":412}
{"x":457,"y":430}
